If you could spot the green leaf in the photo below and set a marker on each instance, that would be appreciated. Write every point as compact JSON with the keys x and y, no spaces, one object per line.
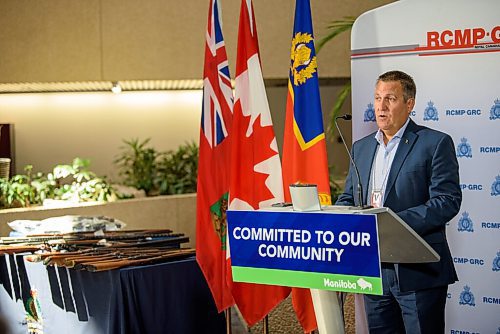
{"x":335,"y":28}
{"x":341,"y":98}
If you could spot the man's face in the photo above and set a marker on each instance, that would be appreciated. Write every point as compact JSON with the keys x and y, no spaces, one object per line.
{"x":391,"y":111}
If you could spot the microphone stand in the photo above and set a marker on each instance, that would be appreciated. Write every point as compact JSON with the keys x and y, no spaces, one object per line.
{"x":361,"y":205}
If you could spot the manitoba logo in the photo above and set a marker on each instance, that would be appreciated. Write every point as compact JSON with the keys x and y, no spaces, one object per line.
{"x":465,"y":223}
{"x":369,"y":113}
{"x":339,"y":284}
{"x":495,"y":110}
{"x":466,"y":297}
{"x":464,"y":149}
{"x":304,"y":63}
{"x":431,"y":113}
{"x":219,"y":219}
{"x":495,"y":187}
{"x":496,"y":263}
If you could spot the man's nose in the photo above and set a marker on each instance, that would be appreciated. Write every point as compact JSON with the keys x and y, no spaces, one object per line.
{"x":381,"y":105}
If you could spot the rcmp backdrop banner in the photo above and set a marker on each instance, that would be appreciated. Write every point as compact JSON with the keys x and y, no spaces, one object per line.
{"x":452,"y":50}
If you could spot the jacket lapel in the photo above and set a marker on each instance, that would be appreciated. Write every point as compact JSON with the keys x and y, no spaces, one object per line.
{"x":405,"y":145}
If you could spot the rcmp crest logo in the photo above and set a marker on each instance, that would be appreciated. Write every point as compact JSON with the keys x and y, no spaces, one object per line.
{"x":466,"y":297}
{"x":303,"y":61}
{"x":465,"y":223}
{"x":464,"y":149}
{"x":496,"y":262}
{"x":369,"y":113}
{"x":495,"y":187}
{"x":431,"y":113}
{"x":495,"y":110}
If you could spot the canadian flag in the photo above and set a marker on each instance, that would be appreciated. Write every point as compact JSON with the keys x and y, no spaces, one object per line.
{"x":256,"y":179}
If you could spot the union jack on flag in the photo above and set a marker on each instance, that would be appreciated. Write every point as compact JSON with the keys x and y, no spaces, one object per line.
{"x":213,"y":163}
{"x":217,"y":92}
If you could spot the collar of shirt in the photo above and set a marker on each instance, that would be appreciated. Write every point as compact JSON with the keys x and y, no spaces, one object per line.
{"x":379,"y":137}
{"x":382,"y":162}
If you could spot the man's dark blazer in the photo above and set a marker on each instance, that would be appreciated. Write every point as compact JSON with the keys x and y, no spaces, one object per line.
{"x":423,"y":189}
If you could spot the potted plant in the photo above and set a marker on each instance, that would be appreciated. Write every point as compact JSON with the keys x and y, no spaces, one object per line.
{"x":158,"y":173}
{"x":67,"y":182}
{"x":177,"y":170}
{"x":336,"y":28}
{"x":137,"y":164}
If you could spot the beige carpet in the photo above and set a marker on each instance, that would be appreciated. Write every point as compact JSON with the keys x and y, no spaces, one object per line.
{"x":282,"y":320}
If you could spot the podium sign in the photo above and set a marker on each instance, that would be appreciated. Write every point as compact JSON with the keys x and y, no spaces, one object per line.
{"x":316,"y":250}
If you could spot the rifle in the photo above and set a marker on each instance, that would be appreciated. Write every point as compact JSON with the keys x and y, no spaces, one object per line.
{"x":120,"y":263}
{"x":109,"y":235}
{"x":19,"y":249}
{"x":115,"y":250}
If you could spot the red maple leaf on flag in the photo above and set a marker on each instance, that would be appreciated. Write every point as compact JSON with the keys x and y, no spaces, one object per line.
{"x":251,"y":148}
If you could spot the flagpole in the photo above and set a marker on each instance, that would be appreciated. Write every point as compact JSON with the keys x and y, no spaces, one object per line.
{"x":228,"y":320}
{"x":265,"y":325}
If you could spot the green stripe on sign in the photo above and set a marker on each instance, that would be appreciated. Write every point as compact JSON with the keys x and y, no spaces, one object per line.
{"x":303,"y":279}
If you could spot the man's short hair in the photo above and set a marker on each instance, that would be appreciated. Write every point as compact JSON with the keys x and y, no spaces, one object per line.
{"x":406,"y":81}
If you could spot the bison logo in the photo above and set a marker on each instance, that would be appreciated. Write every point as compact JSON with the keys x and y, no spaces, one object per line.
{"x":364,"y":284}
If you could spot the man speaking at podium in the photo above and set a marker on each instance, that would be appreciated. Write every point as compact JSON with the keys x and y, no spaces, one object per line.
{"x":412,"y":170}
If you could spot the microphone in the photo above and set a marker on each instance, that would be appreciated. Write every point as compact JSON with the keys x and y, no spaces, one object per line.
{"x":361,"y":206}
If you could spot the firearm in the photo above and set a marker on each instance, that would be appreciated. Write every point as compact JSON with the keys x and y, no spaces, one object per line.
{"x":135,"y":261}
{"x":20,"y":249}
{"x":83,"y":250}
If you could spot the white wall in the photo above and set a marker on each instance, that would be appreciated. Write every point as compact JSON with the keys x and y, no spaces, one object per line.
{"x":54,"y":128}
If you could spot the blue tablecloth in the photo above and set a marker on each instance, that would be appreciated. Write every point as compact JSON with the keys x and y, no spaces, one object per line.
{"x":162,"y":298}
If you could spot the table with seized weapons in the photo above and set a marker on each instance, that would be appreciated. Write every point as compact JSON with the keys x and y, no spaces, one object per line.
{"x":137,"y":281}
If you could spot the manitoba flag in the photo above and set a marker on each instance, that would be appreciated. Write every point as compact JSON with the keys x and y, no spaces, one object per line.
{"x":304,"y":147}
{"x":256,"y":179}
{"x":214,"y":159}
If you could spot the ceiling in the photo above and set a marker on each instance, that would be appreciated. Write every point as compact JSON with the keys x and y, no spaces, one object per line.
{"x":99,"y":86}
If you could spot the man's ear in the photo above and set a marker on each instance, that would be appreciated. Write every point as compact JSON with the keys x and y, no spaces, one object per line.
{"x":410,"y":104}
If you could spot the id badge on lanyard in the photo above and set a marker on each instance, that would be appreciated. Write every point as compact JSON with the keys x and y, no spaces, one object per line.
{"x":376,"y":198}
